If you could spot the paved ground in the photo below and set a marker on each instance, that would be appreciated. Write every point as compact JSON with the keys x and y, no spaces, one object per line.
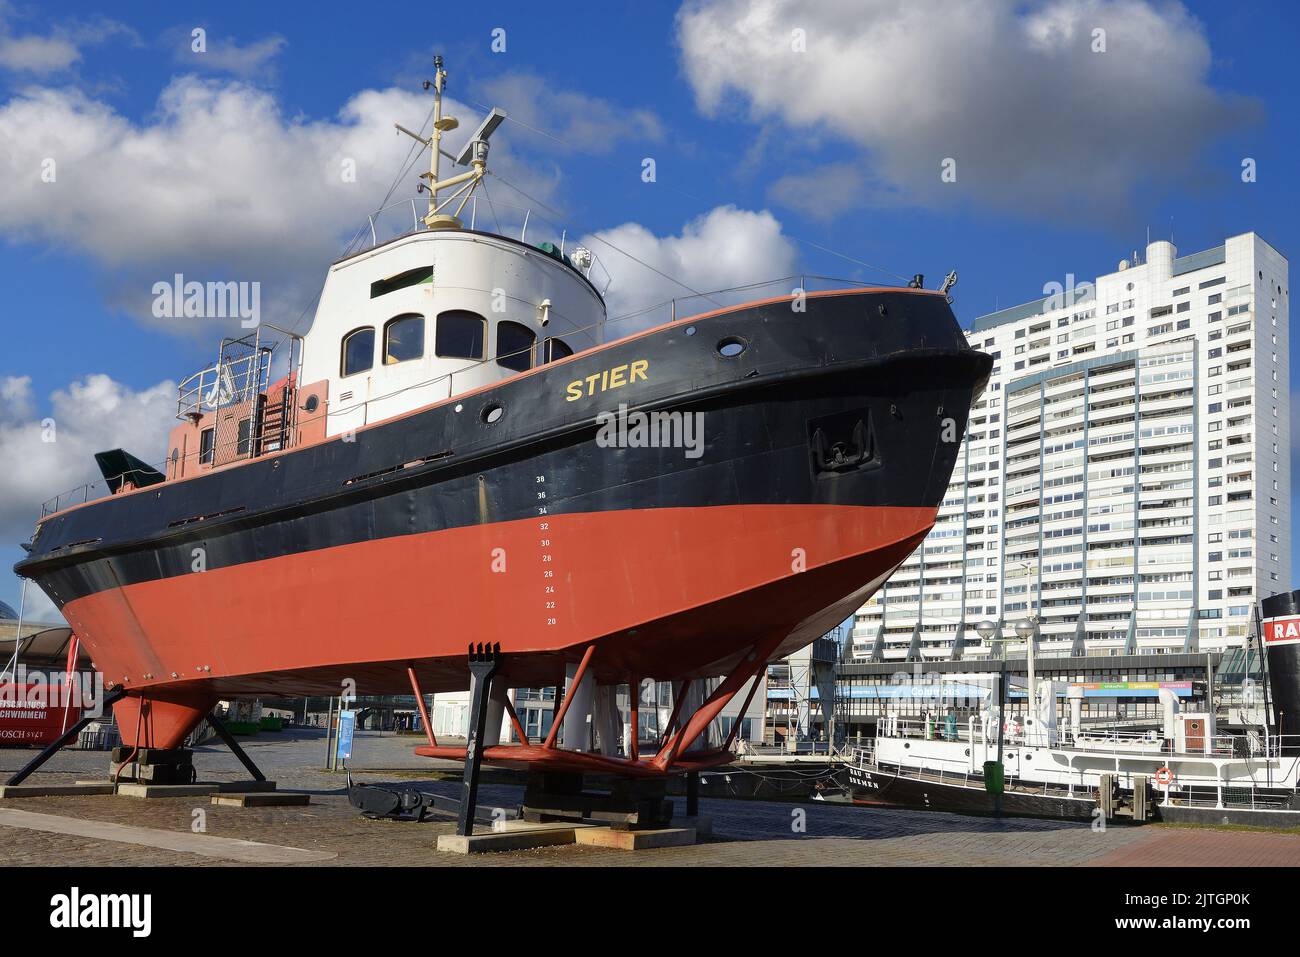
{"x":746,"y":832}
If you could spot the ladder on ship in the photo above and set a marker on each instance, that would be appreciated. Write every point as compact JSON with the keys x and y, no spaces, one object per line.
{"x":276,"y":422}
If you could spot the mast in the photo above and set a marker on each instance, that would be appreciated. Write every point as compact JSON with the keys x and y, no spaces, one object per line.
{"x":474,"y":155}
{"x":439,"y":126}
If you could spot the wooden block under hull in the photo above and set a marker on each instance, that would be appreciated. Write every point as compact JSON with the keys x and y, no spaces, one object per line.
{"x":55,"y":790}
{"x":636,"y":840}
{"x":261,"y":799}
{"x":510,"y":840}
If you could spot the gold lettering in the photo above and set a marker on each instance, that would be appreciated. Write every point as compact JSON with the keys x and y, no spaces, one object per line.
{"x":607,"y":379}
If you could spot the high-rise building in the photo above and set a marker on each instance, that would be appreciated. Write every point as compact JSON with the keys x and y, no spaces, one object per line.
{"x":1125,"y":480}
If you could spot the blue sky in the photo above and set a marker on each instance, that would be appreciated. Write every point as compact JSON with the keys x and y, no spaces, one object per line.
{"x":1066,"y":156}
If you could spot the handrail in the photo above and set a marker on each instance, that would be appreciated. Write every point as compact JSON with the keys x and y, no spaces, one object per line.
{"x":1219,"y":745}
{"x":373,"y":225}
{"x":805,"y":282}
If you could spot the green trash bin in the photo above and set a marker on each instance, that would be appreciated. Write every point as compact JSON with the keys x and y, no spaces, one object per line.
{"x":994,"y":780}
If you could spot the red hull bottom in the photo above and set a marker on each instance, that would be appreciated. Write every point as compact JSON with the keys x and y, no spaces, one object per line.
{"x":661,"y":593}
{"x":540,"y":758}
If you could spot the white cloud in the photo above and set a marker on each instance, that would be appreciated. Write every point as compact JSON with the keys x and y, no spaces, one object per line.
{"x":216,"y":184}
{"x":824,"y":192}
{"x":55,"y":52}
{"x":723,"y":248}
{"x":1036,"y":121}
{"x":90,"y":415}
{"x":574,"y":121}
{"x":226,"y":55}
{"x":37,"y":54}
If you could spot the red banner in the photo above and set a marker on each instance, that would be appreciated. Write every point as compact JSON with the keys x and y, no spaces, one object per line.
{"x":1282,"y":631}
{"x":26,"y":717}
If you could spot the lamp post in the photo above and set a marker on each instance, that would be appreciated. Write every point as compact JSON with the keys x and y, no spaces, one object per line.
{"x":987,"y":630}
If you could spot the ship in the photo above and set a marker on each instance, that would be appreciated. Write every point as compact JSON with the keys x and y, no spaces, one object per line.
{"x":465,"y":470}
{"x":1052,"y":765}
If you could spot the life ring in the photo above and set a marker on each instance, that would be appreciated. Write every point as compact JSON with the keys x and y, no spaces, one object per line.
{"x":1164,"y":776}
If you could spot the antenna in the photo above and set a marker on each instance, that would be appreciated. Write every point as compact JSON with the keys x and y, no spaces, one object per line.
{"x":481,"y":135}
{"x":474,"y":154}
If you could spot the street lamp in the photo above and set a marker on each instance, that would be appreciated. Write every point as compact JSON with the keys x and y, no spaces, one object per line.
{"x":986,"y":630}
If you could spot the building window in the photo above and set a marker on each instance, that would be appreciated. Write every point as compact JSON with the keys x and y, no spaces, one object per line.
{"x":358,"y":351}
{"x":460,"y":335}
{"x":403,"y":339}
{"x":207,"y":442}
{"x":514,"y":346}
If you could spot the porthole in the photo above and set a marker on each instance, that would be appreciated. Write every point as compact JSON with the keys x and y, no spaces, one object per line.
{"x":313,"y":403}
{"x":492,"y":412}
{"x":690,"y":330}
{"x":731,"y":347}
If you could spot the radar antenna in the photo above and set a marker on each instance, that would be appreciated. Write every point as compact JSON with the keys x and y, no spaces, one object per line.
{"x":473,"y":155}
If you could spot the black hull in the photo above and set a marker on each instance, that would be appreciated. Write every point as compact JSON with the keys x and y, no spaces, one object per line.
{"x":878,"y":786}
{"x":895,"y":361}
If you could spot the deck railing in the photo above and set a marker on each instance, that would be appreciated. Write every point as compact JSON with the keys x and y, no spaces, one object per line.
{"x":1253,"y":745}
{"x":677,"y":309}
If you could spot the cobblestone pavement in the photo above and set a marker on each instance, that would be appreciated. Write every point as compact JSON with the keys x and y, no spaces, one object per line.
{"x":1193,"y":847}
{"x":745,"y":832}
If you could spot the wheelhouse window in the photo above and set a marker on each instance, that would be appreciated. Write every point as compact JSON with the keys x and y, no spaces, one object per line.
{"x":358,"y":351}
{"x":460,"y":335}
{"x":514,"y":346}
{"x":403,"y":338}
{"x":207,"y":442}
{"x":244,"y":443}
{"x":556,"y":349}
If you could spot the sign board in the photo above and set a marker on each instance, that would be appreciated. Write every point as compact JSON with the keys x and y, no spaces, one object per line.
{"x":27,"y":716}
{"x":1283,"y":630}
{"x":347,"y":725}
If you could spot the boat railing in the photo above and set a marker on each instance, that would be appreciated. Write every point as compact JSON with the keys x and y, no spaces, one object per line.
{"x":1254,"y":745}
{"x":195,"y":389}
{"x":1207,"y":796}
{"x":925,"y":770}
{"x":929,"y":730}
{"x":1219,"y":745}
{"x":240,"y":374}
{"x":234,"y":378}
{"x":405,"y":217}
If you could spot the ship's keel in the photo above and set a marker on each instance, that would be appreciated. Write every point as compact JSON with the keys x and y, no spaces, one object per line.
{"x":162,"y":718}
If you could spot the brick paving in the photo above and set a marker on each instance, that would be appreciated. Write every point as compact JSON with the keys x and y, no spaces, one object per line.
{"x":766,"y":833}
{"x":1193,"y":847}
